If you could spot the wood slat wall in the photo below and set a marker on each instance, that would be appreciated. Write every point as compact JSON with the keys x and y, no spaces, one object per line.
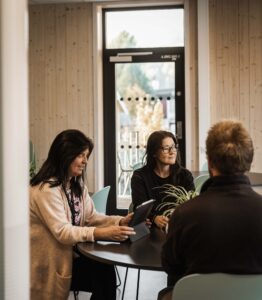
{"x":60,"y":57}
{"x":61,"y":81}
{"x":236,"y":66}
{"x":60,"y":74}
{"x":191,"y":84}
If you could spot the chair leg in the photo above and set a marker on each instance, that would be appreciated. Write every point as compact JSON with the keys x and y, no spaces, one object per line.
{"x":127,"y":180}
{"x":118,"y":277}
{"x":124,"y":287}
{"x":137,"y":286}
{"x":76,"y":295}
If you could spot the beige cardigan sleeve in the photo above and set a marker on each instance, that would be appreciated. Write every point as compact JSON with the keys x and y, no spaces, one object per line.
{"x":51,"y":207}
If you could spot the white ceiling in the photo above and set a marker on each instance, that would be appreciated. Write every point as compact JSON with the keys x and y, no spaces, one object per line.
{"x":53,"y":1}
{"x":97,"y":1}
{"x":66,"y":1}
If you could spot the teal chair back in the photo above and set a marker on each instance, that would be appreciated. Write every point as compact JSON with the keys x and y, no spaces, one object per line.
{"x":100,"y":199}
{"x":218,"y":286}
{"x":137,"y":165}
{"x":204,"y":166}
{"x":199,"y":181}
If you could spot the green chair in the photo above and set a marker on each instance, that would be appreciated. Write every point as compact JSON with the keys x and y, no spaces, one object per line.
{"x":204,"y":166}
{"x":100,"y":202}
{"x":100,"y":199}
{"x":199,"y":181}
{"x":218,"y":286}
{"x":137,"y":165}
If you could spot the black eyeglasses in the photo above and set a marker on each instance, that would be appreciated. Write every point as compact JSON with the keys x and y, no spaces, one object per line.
{"x":168,"y":149}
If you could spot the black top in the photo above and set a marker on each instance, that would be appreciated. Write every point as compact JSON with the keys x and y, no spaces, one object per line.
{"x":218,"y":231}
{"x":146,"y":185}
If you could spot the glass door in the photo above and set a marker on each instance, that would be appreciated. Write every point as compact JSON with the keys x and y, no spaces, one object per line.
{"x":143,"y":92}
{"x":144,"y":102}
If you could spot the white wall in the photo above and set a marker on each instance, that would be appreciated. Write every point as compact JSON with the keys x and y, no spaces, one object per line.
{"x":14,"y":149}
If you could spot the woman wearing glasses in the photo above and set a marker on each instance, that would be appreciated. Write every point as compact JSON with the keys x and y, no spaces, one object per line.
{"x":162,"y":166}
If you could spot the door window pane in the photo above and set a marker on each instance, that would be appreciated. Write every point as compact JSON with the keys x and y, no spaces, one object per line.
{"x":145,"y":28}
{"x":145,"y":102}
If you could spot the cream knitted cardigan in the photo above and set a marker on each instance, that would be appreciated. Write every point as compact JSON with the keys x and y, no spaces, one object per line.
{"x":52,"y":236}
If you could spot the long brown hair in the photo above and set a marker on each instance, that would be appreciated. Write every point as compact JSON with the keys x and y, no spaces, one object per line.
{"x":66,"y":146}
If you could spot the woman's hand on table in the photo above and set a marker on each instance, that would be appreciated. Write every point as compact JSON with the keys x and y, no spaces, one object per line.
{"x":161,"y":221}
{"x":113,"y":233}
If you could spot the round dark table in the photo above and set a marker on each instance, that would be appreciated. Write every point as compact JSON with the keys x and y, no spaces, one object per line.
{"x":144,"y":253}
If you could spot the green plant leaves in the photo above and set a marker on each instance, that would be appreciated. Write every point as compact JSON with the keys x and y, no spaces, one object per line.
{"x":176,"y":196}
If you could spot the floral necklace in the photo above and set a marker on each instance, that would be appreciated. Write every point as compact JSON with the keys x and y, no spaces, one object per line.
{"x":74,"y":204}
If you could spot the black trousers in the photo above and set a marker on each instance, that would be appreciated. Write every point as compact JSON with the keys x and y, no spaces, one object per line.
{"x":94,"y":277}
{"x":166,"y":293}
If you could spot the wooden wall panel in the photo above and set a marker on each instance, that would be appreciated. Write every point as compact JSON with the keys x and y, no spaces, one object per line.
{"x":213,"y":58}
{"x":191,"y":83}
{"x":61,"y":83}
{"x":60,"y":64}
{"x":255,"y":37}
{"x":244,"y":65}
{"x":236,"y":66}
{"x":224,"y":55}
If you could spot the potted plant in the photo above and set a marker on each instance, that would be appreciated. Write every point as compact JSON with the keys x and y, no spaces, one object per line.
{"x":176,"y":195}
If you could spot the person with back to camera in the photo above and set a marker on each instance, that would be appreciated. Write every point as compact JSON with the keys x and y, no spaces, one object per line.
{"x":221,"y":229}
{"x":63,"y":214}
{"x":162,"y":167}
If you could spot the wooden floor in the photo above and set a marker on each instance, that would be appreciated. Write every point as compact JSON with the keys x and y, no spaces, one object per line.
{"x":151,"y":282}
